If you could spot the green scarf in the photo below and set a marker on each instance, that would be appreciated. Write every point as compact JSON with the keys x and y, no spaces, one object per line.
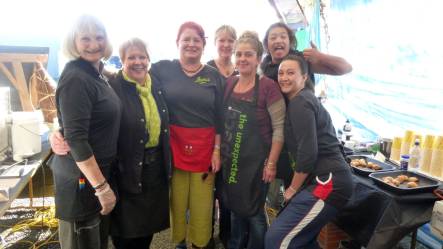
{"x":152,"y":116}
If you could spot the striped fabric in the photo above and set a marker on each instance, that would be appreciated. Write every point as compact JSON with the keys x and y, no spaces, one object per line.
{"x":310,"y":216}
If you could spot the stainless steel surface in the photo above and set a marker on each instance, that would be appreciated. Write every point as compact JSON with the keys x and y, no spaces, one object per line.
{"x":385,"y":147}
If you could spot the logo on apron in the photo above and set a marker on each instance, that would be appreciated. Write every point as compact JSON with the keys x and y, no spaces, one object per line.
{"x":243,"y":119}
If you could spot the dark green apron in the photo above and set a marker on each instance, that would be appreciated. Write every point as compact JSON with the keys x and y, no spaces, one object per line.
{"x":243,"y":154}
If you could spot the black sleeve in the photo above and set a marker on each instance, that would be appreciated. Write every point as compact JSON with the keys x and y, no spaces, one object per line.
{"x":303,"y":123}
{"x":155,"y":70}
{"x":75,"y":105}
{"x":220,"y":90}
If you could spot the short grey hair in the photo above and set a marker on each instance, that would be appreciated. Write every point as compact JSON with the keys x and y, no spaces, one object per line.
{"x":84,"y":24}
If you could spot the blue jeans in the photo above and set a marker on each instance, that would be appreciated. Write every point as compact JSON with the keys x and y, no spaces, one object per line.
{"x":254,"y":227}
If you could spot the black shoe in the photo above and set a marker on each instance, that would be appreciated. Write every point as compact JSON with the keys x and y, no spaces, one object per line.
{"x":181,"y":245}
{"x":211,"y":244}
{"x":349,"y":244}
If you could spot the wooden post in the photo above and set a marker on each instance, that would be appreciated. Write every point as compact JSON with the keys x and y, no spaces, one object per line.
{"x":18,"y":78}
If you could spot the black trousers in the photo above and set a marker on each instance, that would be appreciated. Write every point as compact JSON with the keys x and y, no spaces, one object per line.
{"x":132,"y":243}
{"x":87,"y":234}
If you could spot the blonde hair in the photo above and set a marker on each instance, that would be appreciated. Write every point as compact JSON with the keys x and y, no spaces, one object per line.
{"x":251,"y":37}
{"x":85,"y":24}
{"x":226,"y":29}
{"x":133,"y":42}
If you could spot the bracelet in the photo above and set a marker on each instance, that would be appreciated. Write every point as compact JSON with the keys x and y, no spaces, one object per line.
{"x":270,"y":167}
{"x":292,"y":188}
{"x":103,"y":191}
{"x":100,"y":185}
{"x":216,"y":147}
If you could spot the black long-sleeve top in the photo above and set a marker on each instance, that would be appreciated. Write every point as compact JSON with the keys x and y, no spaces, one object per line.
{"x":193,"y":102}
{"x":310,"y":135}
{"x":88,"y":111}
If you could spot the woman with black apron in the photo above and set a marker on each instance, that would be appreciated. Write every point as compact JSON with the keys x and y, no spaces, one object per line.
{"x":88,"y":112}
{"x":252,"y":140}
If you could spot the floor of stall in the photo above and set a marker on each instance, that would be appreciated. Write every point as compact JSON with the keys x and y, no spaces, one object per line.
{"x":34,"y":232}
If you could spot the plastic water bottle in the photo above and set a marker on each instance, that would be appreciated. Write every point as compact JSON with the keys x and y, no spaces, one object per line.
{"x":347,"y":130}
{"x":414,"y":155}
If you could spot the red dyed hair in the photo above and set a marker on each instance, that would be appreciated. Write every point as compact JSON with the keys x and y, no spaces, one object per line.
{"x":192,"y":25}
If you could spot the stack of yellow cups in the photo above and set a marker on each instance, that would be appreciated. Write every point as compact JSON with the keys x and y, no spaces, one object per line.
{"x":406,"y":143}
{"x":437,"y":157}
{"x":426,"y":154}
{"x":395,"y":149}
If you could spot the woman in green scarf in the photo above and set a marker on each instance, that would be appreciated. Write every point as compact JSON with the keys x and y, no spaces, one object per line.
{"x":143,"y":158}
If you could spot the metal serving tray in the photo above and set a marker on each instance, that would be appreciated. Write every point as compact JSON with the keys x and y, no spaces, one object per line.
{"x":366,"y":171}
{"x":426,"y":183}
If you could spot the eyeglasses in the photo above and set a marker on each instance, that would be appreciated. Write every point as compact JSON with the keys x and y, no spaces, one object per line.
{"x":206,"y":174}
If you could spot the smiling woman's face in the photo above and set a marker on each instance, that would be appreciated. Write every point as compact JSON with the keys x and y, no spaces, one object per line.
{"x":225,"y":44}
{"x":278,"y":43}
{"x":291,"y":78}
{"x":190,"y":45}
{"x":136,"y":63}
{"x":91,"y":46}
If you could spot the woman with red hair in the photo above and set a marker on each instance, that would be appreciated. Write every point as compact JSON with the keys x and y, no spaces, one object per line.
{"x":193,"y":92}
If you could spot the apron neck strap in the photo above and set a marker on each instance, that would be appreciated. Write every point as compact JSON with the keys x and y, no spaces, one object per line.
{"x":256,"y":89}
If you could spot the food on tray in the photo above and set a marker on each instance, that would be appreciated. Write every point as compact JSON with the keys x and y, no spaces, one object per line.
{"x":361,"y":163}
{"x":412,"y":185}
{"x":396,"y":182}
{"x":402,"y":178}
{"x":387,"y":178}
{"x":413,"y":179}
{"x":411,"y":182}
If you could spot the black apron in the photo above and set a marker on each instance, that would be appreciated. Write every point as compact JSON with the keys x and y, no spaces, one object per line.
{"x":243,"y":154}
{"x":143,"y":214}
{"x":75,"y":198}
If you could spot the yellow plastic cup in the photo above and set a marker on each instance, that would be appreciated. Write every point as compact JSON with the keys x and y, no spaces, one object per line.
{"x":395,"y":148}
{"x":409,"y":135}
{"x":429,"y":142}
{"x":438,"y":143}
{"x":426,"y":153}
{"x":437,"y":157}
{"x":406,"y":143}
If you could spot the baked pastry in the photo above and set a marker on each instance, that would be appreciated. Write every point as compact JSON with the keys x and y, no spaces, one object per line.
{"x":412,"y":185}
{"x":413,"y":179}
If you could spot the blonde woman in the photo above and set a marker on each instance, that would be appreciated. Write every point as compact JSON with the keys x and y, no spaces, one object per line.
{"x":89,"y":112}
{"x":225,"y":37}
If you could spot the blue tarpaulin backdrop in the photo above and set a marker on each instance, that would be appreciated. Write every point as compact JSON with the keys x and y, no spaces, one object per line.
{"x":397,"y":58}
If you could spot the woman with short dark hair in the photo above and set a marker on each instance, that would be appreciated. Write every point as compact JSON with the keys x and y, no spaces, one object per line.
{"x":321,"y":183}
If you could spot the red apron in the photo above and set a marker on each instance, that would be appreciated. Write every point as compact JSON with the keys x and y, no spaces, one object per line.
{"x":192,"y":147}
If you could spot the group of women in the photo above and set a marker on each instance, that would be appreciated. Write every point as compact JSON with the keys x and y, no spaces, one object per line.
{"x":147,"y":143}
